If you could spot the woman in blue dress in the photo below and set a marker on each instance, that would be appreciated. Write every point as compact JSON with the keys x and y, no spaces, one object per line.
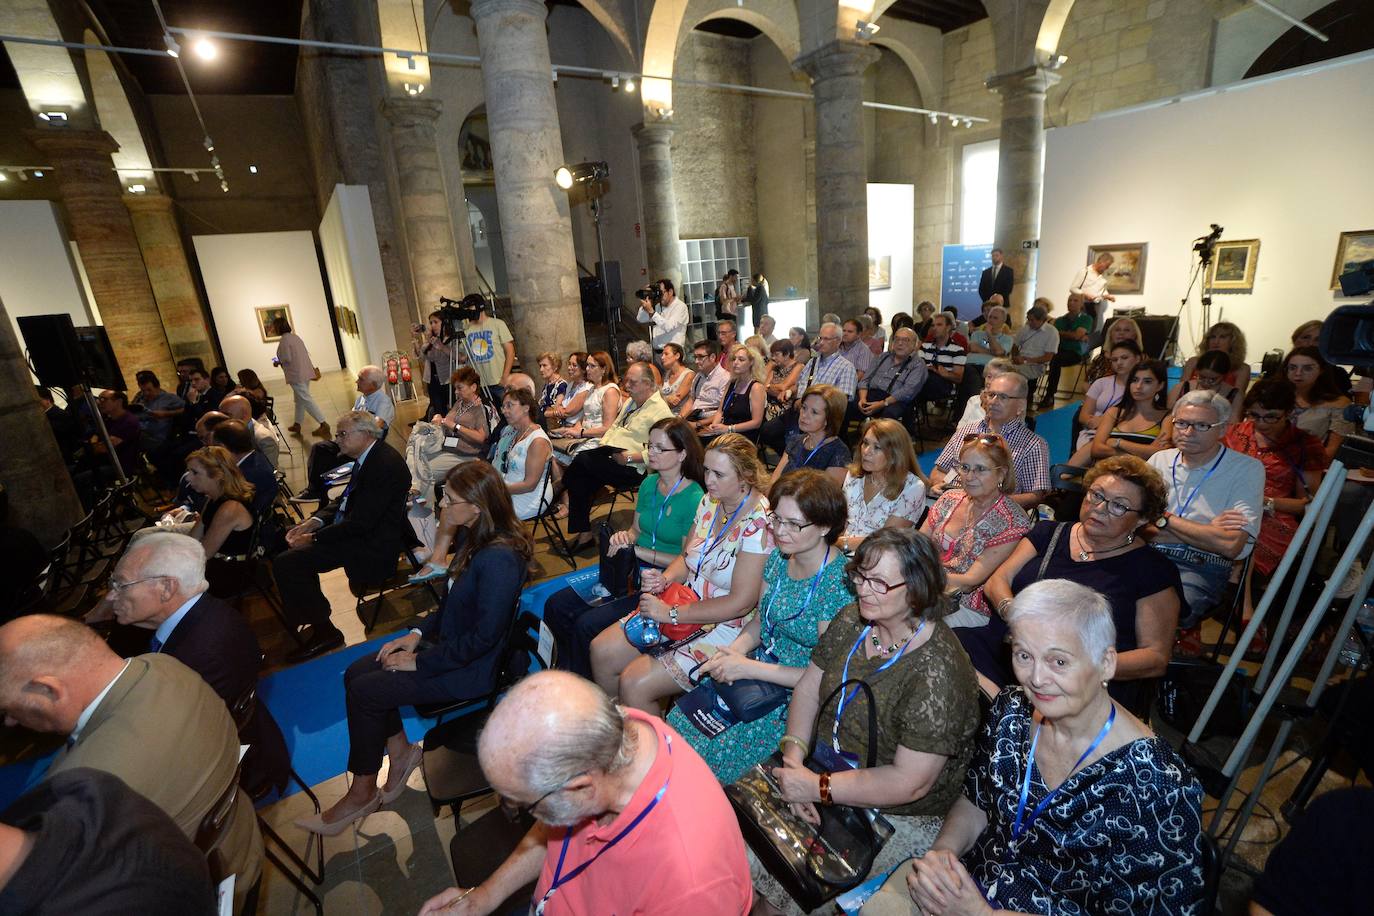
{"x":1072,"y":805}
{"x":804,"y":587}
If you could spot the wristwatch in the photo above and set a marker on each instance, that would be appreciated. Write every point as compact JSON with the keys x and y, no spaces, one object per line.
{"x":1162,"y":522}
{"x":672,"y":613}
{"x":1269,"y":505}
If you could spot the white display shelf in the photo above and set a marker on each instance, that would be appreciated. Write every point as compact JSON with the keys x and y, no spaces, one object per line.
{"x":703,"y":262}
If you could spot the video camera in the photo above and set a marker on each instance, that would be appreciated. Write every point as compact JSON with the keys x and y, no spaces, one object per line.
{"x":1205,"y":245}
{"x":1348,"y":340}
{"x":453,"y":312}
{"x":652,"y":294}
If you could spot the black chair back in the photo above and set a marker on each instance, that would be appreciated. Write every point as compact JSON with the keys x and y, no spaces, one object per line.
{"x":211,"y":830}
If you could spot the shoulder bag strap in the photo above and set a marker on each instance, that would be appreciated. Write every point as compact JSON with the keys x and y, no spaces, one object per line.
{"x":872,"y":760}
{"x":1049,"y":551}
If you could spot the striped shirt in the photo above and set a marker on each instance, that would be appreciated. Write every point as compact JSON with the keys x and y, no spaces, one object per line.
{"x":951,"y":355}
{"x":1030,"y":454}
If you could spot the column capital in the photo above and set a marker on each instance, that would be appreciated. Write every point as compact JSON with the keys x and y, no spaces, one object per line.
{"x":842,"y":57}
{"x":480,"y":9}
{"x":152,"y":202}
{"x":1027,"y":81}
{"x":407,"y":111}
{"x":650,"y":133}
{"x":62,"y":141}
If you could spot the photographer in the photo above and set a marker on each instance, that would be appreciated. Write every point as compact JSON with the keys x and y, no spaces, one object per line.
{"x":436,"y":351}
{"x":660,"y":307}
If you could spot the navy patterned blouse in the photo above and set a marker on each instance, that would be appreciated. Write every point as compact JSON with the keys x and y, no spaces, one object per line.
{"x":1123,"y":835}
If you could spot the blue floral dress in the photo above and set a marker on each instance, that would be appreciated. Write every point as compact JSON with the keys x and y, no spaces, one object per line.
{"x":732,"y":753}
{"x":1122,"y":836}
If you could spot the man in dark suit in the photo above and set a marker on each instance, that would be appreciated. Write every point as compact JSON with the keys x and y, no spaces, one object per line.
{"x":204,"y":634}
{"x":997,"y":279}
{"x":234,"y":436}
{"x":363,"y":531}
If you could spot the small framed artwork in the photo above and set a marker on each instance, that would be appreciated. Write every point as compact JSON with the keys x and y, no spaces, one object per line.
{"x":352,"y":321}
{"x":1352,"y":248}
{"x":267,"y":316}
{"x":1233,"y":266}
{"x":1127,"y":273}
{"x":880,"y":272}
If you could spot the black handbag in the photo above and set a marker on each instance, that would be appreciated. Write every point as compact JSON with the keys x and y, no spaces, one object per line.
{"x":813,"y":863}
{"x":713,"y":706}
{"x":618,"y":572}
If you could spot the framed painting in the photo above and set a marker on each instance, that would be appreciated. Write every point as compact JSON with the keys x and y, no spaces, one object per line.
{"x":267,"y":316}
{"x":1233,"y":266}
{"x":1127,"y":273}
{"x":880,"y":272}
{"x":1351,"y":249}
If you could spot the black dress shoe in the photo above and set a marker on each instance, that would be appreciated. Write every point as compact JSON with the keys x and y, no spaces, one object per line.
{"x":320,"y":642}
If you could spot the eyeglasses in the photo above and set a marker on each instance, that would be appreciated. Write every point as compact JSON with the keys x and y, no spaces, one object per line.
{"x":969,"y":470}
{"x":1187,"y":425}
{"x":999,"y":396}
{"x":116,"y":586}
{"x":983,"y":439}
{"x":654,"y":447}
{"x":1115,"y":507}
{"x":1264,"y":417}
{"x":786,"y":525}
{"x":877,"y":586}
{"x":517,"y":812}
{"x":343,"y":434}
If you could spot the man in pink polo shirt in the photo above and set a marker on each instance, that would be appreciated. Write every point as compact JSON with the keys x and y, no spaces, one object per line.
{"x":630,"y":819}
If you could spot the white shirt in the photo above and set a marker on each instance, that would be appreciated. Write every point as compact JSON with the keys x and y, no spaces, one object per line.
{"x":1090,"y":283}
{"x":670,"y":324}
{"x":1235,"y":481}
{"x":90,"y":709}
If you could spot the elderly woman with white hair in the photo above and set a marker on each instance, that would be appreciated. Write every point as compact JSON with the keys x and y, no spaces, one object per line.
{"x":1072,"y":805}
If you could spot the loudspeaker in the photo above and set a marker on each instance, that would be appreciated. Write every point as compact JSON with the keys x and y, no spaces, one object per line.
{"x":1155,"y":331}
{"x":101,"y":367}
{"x":53,"y":349}
{"x":609,"y":271}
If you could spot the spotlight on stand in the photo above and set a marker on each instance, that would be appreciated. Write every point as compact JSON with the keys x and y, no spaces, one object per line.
{"x":592,"y":175}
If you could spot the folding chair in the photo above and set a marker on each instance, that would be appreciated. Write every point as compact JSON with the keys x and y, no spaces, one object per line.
{"x":253,"y":579}
{"x":396,"y":582}
{"x":546,"y":519}
{"x":271,"y":414}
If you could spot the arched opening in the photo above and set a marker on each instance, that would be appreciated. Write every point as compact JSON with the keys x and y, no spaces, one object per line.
{"x":479,"y":188}
{"x":1349,"y":24}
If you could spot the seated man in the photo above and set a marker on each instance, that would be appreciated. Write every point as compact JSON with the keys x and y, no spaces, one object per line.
{"x":590,"y":772}
{"x":362,"y":531}
{"x":203,"y":633}
{"x":1035,"y":345}
{"x":709,"y":384}
{"x":827,"y":366}
{"x":84,"y":842}
{"x":618,"y":460}
{"x":1004,"y":404}
{"x":945,"y":356}
{"x":96,"y":470}
{"x":64,"y":426}
{"x":896,"y":379}
{"x":237,"y":407}
{"x":159,"y":410}
{"x":234,"y":436}
{"x":149,"y":720}
{"x":325,"y":456}
{"x":1215,"y":500}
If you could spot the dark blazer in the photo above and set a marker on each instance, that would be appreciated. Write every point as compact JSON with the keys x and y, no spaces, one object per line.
{"x":215,"y":641}
{"x":371,"y":532}
{"x":258,"y":472}
{"x":1005,"y":280}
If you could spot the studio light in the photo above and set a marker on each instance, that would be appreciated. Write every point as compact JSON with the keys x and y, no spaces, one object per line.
{"x":173,"y":49}
{"x":205,"y":49}
{"x":581,"y":173}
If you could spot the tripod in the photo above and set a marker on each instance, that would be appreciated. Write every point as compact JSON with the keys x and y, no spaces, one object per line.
{"x":1204,"y":253}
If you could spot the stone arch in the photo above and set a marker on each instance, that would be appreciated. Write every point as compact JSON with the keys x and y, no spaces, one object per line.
{"x":926,"y":87}
{"x":1052,"y":27}
{"x":783,"y":34}
{"x":116,"y":117}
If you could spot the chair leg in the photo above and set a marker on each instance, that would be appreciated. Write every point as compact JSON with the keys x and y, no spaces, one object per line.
{"x":314,"y":800}
{"x":556,"y":538}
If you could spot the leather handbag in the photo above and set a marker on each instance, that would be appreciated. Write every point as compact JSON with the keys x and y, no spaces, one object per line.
{"x":619,"y":571}
{"x":714,"y":706}
{"x":813,"y":863}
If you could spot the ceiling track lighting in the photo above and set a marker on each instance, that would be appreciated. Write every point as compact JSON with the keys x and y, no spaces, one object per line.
{"x":138,"y":189}
{"x":224,"y":186}
{"x":630,"y":84}
{"x":173,"y":49}
{"x":555,"y":74}
{"x":252,"y":170}
{"x":615,"y":81}
{"x":209,"y":144}
{"x":54,"y":116}
{"x":414,"y":89}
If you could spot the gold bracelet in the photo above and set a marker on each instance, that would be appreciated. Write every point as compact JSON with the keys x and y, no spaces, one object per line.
{"x":782,"y":743}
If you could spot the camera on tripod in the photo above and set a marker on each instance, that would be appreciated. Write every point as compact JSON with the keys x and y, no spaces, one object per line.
{"x":1205,"y":245}
{"x":651,"y":294}
{"x":453,"y":312}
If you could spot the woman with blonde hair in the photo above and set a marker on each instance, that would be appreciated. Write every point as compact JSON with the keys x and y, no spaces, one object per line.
{"x":758,"y":345}
{"x":741,"y":409}
{"x":721,"y":562}
{"x":884,"y":486}
{"x":1120,"y":329}
{"x":225,"y":525}
{"x":598,"y":411}
{"x":1230,"y":339}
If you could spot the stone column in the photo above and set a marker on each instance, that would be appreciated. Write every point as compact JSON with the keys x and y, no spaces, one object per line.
{"x":424,"y":201}
{"x":104,"y":232}
{"x":1020,"y":175}
{"x":159,"y":238}
{"x":654,"y":140}
{"x":527,"y":149}
{"x":836,"y":72}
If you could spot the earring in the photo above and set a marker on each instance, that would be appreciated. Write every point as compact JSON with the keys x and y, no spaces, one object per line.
{"x":1104,"y":685}
{"x":1130,"y":538}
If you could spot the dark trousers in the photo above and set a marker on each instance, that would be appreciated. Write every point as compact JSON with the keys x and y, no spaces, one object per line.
{"x":936,"y":388}
{"x":438,"y":398}
{"x":589,"y":472}
{"x":575,"y":623}
{"x":324,"y":457}
{"x":773,"y":434}
{"x":373,"y":697}
{"x":298,"y":579}
{"x":1061,"y":359}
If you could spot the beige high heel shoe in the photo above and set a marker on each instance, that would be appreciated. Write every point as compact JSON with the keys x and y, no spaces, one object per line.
{"x":316,"y":823}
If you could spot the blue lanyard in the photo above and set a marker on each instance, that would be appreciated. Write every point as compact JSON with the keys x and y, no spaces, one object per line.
{"x":729,"y":397}
{"x":711,"y":545}
{"x":845,"y":700}
{"x":1173,"y":477}
{"x":1019,"y":828}
{"x":559,"y":879}
{"x":663,"y":506}
{"x":813,"y":452}
{"x":769,"y":627}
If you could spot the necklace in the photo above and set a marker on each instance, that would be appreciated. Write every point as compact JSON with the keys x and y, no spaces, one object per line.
{"x":1084,"y":553}
{"x":887,"y":650}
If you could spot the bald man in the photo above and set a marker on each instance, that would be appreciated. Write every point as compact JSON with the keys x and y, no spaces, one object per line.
{"x":619,"y":800}
{"x":237,"y":407}
{"x":149,"y":720}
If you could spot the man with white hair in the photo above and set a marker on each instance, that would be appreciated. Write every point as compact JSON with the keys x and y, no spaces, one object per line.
{"x":325,"y":456}
{"x":827,"y":366}
{"x":167,"y":594}
{"x":1215,"y":500}
{"x":629,"y":819}
{"x":1004,"y":405}
{"x":1091,"y":284}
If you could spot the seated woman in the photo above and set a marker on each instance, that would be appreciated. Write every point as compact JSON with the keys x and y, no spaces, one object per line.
{"x":462,"y":434}
{"x":924,"y":689}
{"x":567,"y":409}
{"x":555,"y":386}
{"x":722,"y":562}
{"x":251,"y":387}
{"x":1139,"y":425}
{"x":885,"y":487}
{"x":784,"y":370}
{"x":976,"y":527}
{"x":1072,"y":804}
{"x":1209,"y":375}
{"x":221,"y":382}
{"x":677,"y":378}
{"x":455,"y":655}
{"x":801,"y":345}
{"x":817,"y":444}
{"x":1229,"y":339}
{"x":1107,"y":391}
{"x":1120,"y":329}
{"x":598,"y":411}
{"x":1320,"y":404}
{"x":225,"y":526}
{"x":804,"y":587}
{"x":1104,"y":551}
{"x":741,"y":409}
{"x":665,"y":510}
